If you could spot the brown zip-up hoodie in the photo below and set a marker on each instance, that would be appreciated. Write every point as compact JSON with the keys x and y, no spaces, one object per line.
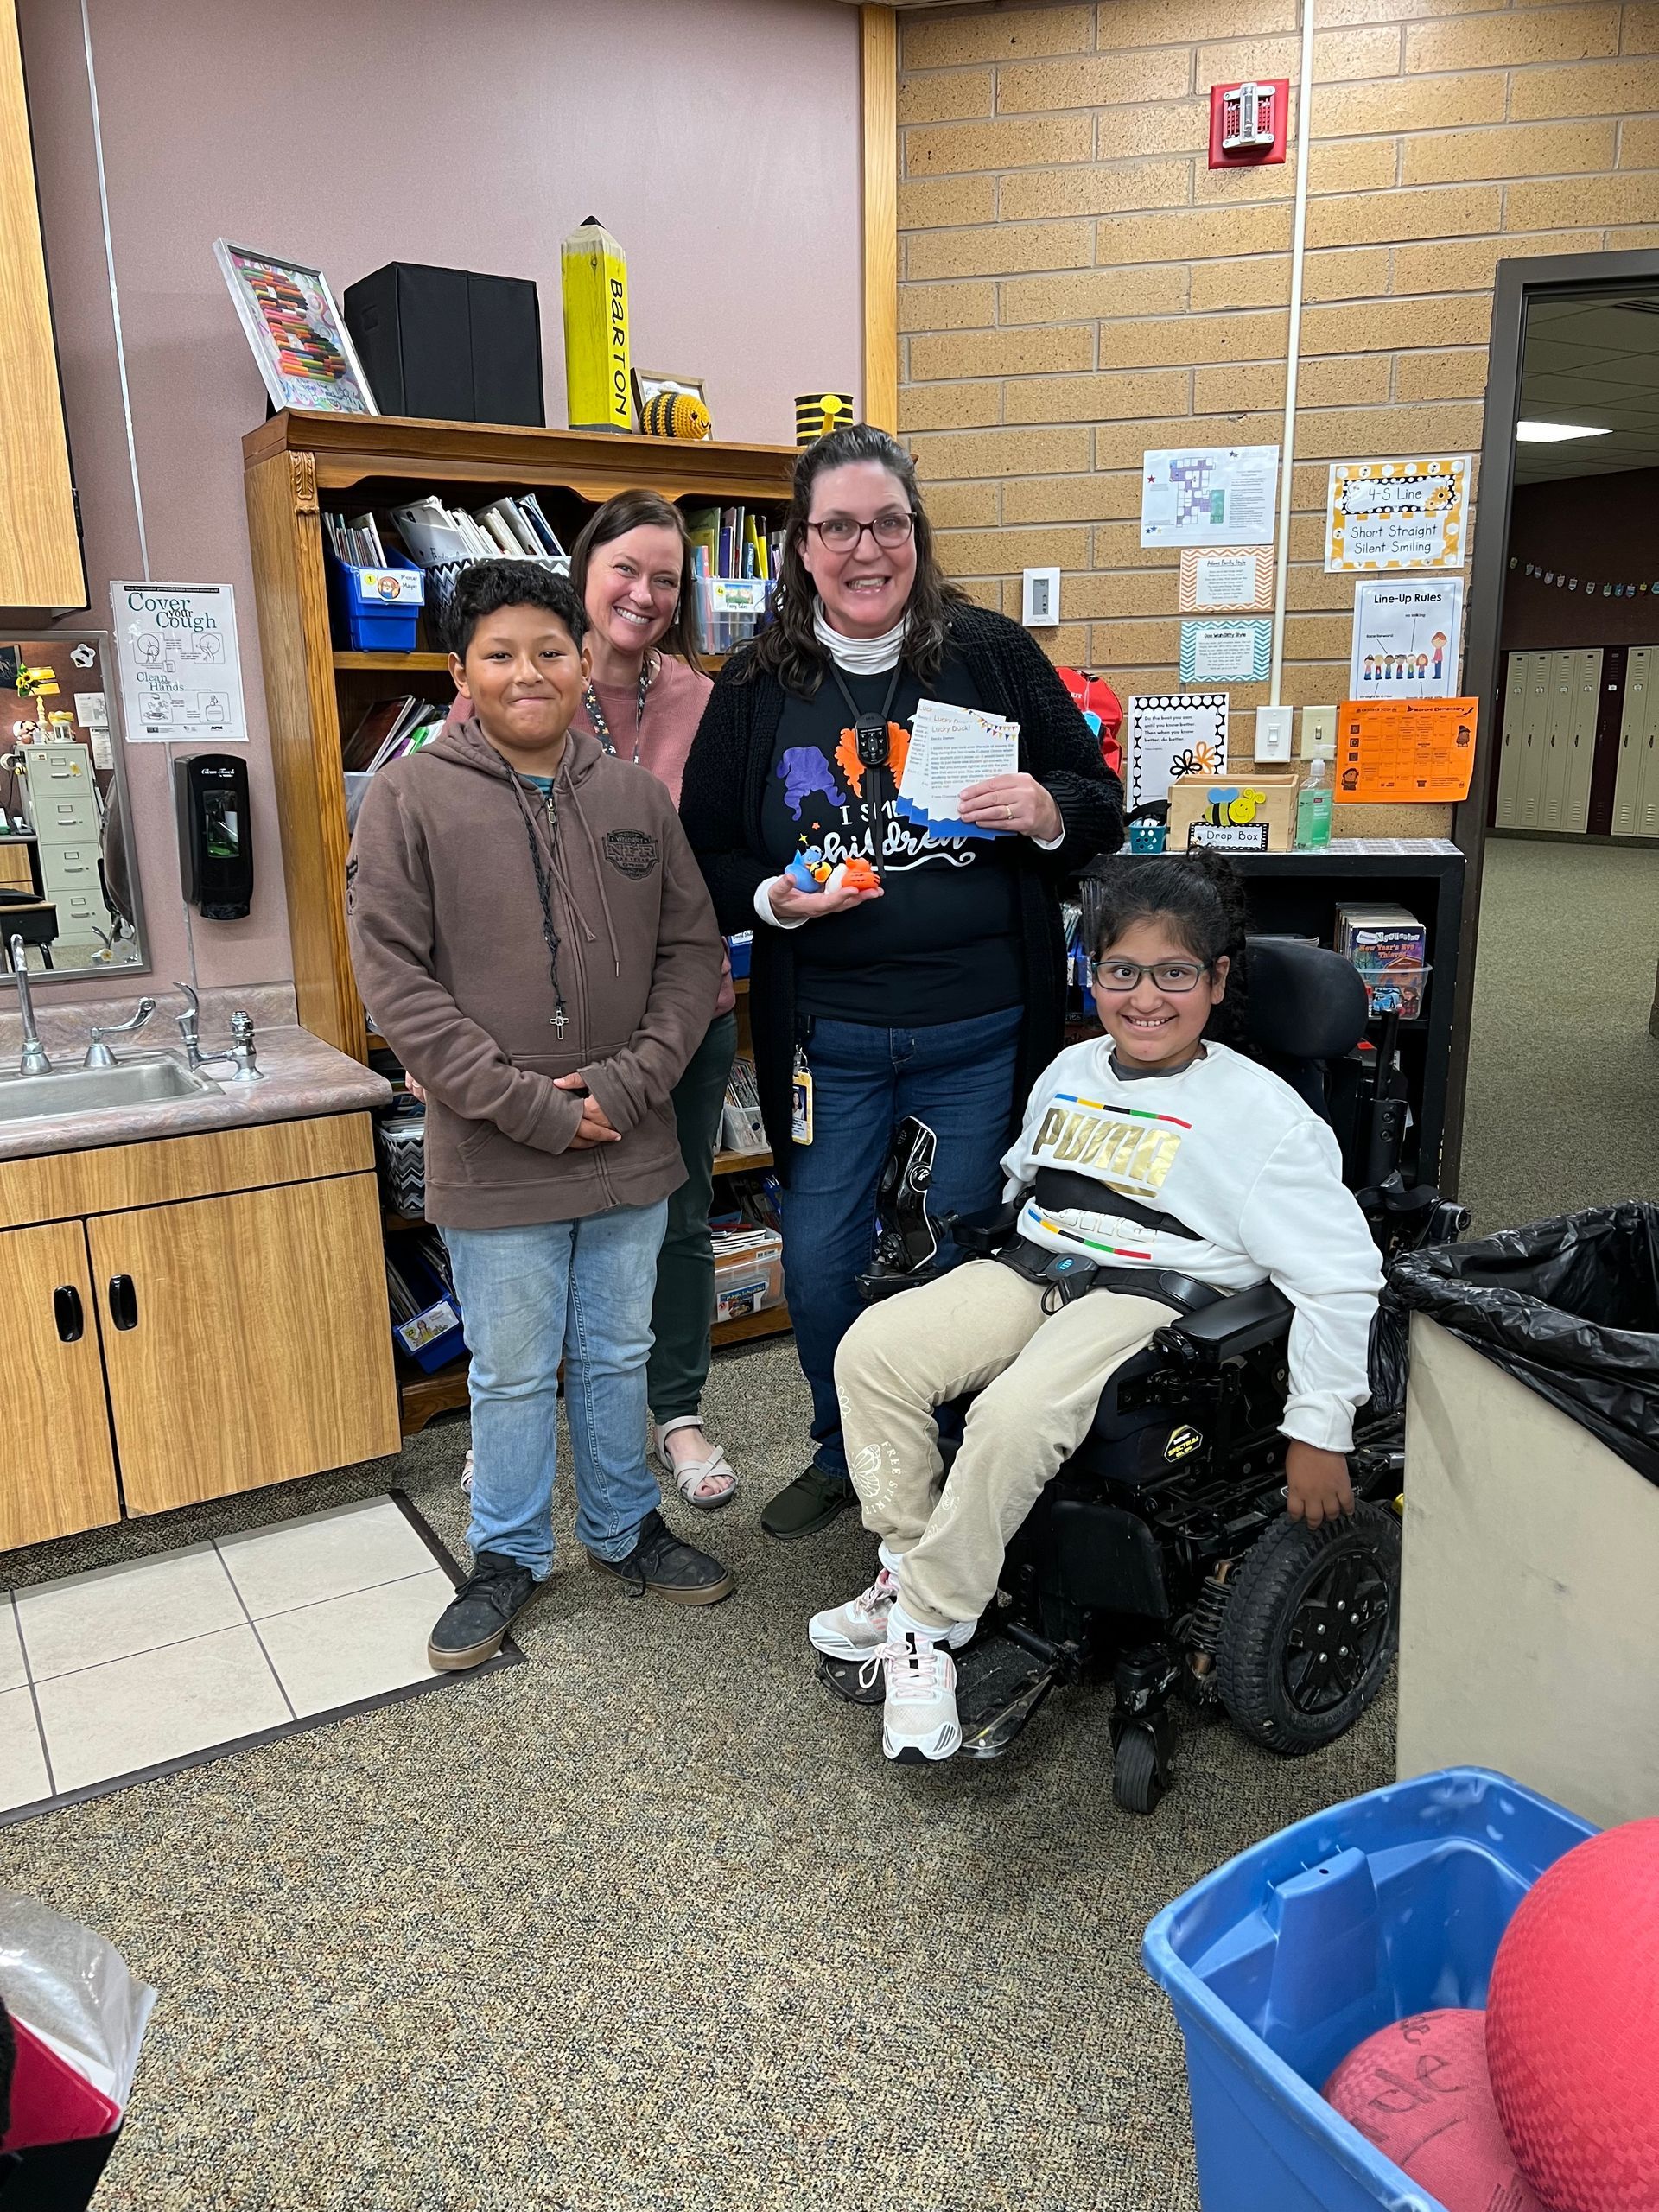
{"x":447,"y":940}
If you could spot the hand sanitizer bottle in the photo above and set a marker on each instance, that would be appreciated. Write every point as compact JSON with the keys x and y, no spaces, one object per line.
{"x":1313,"y":809}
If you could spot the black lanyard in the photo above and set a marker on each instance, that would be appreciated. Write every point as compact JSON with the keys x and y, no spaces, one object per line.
{"x":543,"y":888}
{"x":870,"y":739}
{"x":596,"y":712}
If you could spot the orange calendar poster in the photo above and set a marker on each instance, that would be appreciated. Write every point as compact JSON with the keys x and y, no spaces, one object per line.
{"x":1406,"y":748}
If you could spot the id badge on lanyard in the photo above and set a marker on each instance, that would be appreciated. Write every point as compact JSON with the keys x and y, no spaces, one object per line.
{"x":800,"y":1100}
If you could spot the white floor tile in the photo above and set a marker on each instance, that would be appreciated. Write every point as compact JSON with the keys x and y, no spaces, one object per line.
{"x":23,"y":1777}
{"x":137,"y":1712}
{"x":357,"y":1646}
{"x":86,"y":1620}
{"x":323,"y":1556}
{"x":13,"y":1673}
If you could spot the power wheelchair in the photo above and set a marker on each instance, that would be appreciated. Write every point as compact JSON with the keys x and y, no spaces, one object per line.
{"x":1161,"y":1551}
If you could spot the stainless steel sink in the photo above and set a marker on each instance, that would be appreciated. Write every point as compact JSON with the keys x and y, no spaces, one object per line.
{"x":153,"y":1081}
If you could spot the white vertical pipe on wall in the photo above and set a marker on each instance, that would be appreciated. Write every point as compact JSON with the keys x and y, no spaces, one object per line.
{"x":1287,"y":447}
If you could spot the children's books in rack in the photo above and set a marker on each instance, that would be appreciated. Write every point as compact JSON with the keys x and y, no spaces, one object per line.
{"x":514,"y":527}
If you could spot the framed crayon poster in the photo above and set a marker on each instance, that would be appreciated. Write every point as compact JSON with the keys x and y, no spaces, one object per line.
{"x":299,"y":341}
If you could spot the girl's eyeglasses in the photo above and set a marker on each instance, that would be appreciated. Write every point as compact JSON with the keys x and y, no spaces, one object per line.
{"x":1172,"y":976}
{"x":841,"y":534}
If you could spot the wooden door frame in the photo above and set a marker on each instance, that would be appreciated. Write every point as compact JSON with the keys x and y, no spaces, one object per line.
{"x":1517,"y":284}
{"x":878,"y":31}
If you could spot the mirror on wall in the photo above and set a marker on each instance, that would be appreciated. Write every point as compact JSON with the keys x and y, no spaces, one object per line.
{"x":68,"y":877}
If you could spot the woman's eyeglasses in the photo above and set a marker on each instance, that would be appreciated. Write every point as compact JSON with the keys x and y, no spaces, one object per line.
{"x":841,"y":534}
{"x":1172,"y":976}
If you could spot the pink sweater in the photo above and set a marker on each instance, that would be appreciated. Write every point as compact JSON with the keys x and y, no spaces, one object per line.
{"x":674,"y":707}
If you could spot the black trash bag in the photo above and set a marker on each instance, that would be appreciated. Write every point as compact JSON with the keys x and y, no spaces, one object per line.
{"x":1570,"y":1308}
{"x":1390,"y":1356}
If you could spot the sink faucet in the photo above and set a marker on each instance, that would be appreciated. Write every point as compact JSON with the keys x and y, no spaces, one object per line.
{"x":34,"y":1061}
{"x":98,"y":1054}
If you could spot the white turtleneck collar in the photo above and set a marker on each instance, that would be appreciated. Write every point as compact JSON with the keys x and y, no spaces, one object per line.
{"x":860,"y":655}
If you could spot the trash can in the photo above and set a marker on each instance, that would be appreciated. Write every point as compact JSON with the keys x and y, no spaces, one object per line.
{"x":1283,"y":1961}
{"x":1530,"y":1631}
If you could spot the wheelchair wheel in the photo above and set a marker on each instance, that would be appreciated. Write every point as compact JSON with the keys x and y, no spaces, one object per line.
{"x":1137,"y":1780}
{"x":1310,"y":1629}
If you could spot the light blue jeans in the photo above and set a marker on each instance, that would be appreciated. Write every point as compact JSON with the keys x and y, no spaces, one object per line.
{"x":582,"y":1288}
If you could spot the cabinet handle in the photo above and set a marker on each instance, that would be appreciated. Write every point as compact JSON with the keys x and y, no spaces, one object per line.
{"x":124,"y":1302}
{"x":67,"y":1311}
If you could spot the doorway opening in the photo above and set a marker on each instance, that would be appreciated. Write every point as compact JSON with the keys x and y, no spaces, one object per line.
{"x":1557,"y":1096}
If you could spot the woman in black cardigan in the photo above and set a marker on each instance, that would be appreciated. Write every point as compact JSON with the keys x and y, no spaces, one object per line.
{"x":940,"y":990}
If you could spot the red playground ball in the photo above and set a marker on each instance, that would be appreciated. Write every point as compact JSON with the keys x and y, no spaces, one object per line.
{"x":1573,"y":2026}
{"x":1418,"y":2090}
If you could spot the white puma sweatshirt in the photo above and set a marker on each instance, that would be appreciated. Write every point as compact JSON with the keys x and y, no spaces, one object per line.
{"x":1236,"y":1156}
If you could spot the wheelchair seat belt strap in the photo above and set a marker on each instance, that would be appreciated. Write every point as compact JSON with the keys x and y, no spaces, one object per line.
{"x":1056,"y":1189}
{"x":1066,"y":1276}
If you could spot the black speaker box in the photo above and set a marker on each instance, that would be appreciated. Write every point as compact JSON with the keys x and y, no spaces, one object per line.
{"x":450,"y":345}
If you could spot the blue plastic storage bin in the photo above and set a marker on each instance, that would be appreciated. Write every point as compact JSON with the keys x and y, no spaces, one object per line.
{"x":1283,"y":1960}
{"x":371,"y":622}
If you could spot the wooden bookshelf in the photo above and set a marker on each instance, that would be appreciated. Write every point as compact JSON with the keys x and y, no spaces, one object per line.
{"x":297,"y":466}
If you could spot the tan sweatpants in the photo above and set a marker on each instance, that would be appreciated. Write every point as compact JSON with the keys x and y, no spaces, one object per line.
{"x":1039,"y":1378}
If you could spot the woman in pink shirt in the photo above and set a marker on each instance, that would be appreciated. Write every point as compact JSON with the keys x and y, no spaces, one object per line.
{"x":644,"y":698}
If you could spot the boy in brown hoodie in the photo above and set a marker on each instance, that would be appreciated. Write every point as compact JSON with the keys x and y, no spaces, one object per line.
{"x":532,"y":937}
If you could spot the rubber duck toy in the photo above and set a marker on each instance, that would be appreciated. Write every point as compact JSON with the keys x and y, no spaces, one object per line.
{"x":858,"y":872}
{"x":809,"y":870}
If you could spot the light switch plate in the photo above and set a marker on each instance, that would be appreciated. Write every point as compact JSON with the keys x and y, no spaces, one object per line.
{"x":1273,"y":732}
{"x":1318,"y":733}
{"x":1041,"y":607}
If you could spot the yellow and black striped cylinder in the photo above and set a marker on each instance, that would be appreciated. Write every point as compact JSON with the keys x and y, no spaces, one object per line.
{"x":817,"y":413}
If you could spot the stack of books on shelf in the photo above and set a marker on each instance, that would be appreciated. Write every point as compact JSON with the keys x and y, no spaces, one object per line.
{"x":357,"y":544}
{"x":391,"y":728}
{"x":438,"y":536}
{"x":735,"y":561}
{"x":741,"y":1129}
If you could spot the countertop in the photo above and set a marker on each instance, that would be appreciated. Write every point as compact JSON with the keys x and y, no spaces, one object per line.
{"x":303,"y":1078}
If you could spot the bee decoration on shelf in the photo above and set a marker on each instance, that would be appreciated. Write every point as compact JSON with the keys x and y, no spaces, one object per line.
{"x":675,"y":415}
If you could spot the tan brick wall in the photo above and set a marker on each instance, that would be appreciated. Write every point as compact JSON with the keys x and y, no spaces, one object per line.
{"x":1076,"y":284}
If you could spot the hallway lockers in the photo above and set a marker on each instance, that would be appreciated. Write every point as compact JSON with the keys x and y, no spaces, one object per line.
{"x":1549,"y":739}
{"x":1636,"y":794}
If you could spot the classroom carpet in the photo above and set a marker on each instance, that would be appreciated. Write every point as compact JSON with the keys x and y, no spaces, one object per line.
{"x":647,"y":1923}
{"x":1562,"y":1108}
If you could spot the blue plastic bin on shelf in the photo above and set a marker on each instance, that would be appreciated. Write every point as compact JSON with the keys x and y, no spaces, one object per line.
{"x":1283,"y":1960}
{"x":379,"y":608}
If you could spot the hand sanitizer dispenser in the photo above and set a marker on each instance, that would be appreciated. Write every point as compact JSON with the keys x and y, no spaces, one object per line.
{"x":215,"y":840}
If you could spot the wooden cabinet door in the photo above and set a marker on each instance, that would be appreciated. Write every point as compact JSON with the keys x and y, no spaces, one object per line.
{"x":246,"y":1338}
{"x":57,"y":1474}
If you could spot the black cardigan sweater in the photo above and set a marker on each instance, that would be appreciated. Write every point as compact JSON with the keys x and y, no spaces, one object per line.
{"x":719,"y":805}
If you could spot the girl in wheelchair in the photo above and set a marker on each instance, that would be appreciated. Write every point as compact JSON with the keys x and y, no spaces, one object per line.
{"x":1155,"y":1168}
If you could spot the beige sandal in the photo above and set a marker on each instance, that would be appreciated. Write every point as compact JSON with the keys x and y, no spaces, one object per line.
{"x":689,"y":1479}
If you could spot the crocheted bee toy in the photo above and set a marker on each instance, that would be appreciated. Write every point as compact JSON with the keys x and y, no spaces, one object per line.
{"x":675,"y":415}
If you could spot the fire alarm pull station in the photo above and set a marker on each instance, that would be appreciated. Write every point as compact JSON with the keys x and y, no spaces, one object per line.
{"x":1247,"y":122}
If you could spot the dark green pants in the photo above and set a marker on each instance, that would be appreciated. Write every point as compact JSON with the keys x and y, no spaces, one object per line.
{"x":682,"y":1312}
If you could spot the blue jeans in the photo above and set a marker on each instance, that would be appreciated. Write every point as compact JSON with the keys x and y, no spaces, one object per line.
{"x":955,"y":1076}
{"x":582,"y":1288}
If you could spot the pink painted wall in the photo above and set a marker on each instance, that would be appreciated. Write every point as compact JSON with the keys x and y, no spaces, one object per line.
{"x":719,"y":140}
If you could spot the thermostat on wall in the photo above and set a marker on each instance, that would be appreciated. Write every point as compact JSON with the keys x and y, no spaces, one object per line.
{"x":1041,"y":607}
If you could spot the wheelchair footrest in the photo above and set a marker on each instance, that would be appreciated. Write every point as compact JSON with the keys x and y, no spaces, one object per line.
{"x":999,"y":1686}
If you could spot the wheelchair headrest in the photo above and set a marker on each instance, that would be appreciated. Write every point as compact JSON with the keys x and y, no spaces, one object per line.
{"x":1302,"y":1002}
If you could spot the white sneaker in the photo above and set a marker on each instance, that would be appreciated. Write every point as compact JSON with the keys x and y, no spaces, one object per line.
{"x":467,"y":1473}
{"x":919,"y":1721}
{"x":859,"y":1627}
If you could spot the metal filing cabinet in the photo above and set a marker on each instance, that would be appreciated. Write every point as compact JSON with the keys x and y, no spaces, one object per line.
{"x":1636,"y":794}
{"x":63,"y":806}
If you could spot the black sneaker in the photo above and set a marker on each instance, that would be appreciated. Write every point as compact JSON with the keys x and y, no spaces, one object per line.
{"x":659,"y":1562}
{"x":473,"y":1626}
{"x":809,"y":1503}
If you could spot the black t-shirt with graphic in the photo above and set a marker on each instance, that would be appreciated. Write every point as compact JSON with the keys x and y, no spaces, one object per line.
{"x":943,"y":943}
